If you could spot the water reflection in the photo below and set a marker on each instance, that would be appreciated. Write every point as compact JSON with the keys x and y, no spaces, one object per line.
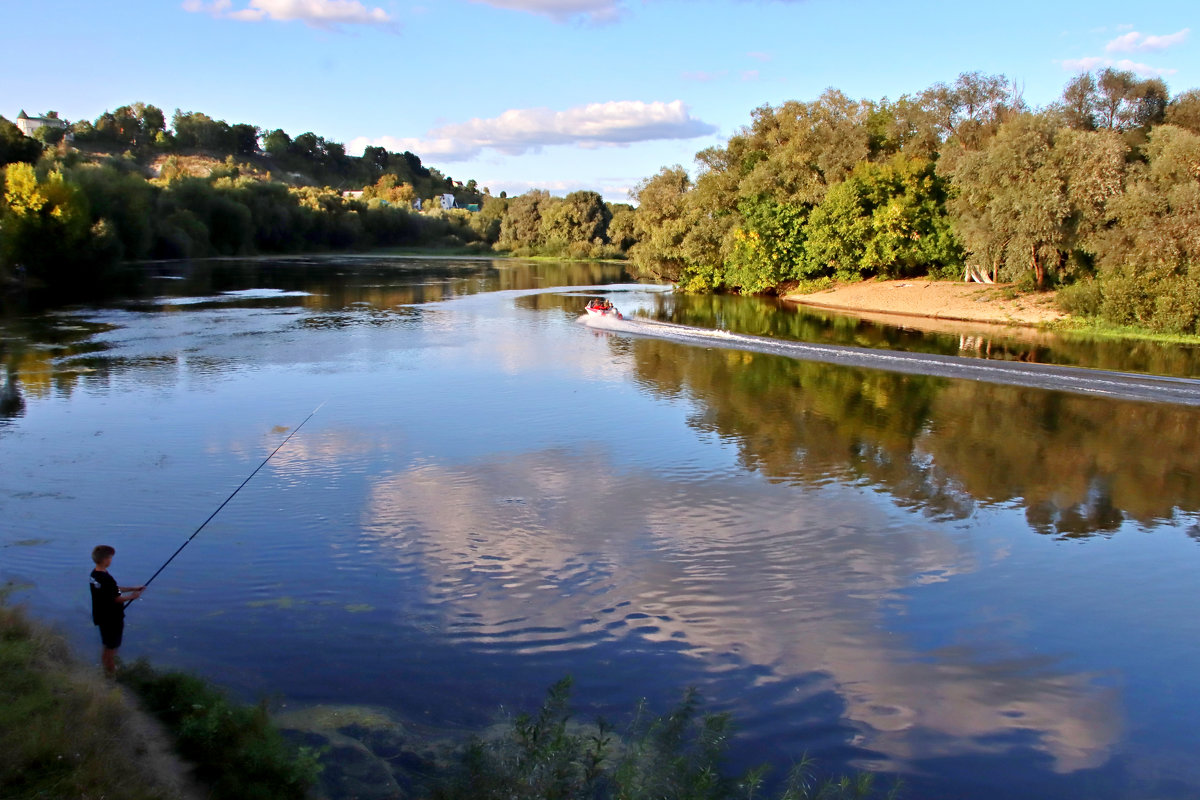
{"x":556,"y":552}
{"x":497,"y":496}
{"x":1077,"y":465}
{"x":779,"y":319}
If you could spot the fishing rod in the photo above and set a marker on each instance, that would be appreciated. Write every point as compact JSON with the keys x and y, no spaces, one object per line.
{"x":227,"y":499}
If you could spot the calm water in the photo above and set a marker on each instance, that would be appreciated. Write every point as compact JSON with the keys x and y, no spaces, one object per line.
{"x":988,"y":589}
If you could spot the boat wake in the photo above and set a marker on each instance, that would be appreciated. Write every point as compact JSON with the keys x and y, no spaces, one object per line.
{"x":1077,"y":380}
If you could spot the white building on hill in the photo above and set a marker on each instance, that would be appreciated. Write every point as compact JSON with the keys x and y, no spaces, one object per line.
{"x":28,"y":124}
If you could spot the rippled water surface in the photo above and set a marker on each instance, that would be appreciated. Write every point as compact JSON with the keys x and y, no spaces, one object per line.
{"x":989,"y":589}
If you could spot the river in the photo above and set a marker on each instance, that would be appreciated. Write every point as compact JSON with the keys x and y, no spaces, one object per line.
{"x":976,"y":574}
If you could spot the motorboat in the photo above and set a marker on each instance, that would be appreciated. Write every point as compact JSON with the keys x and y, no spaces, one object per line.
{"x":602,"y":308}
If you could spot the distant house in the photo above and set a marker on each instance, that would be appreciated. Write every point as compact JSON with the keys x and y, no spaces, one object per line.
{"x":27,"y":124}
{"x":447,"y":201}
{"x":352,"y":194}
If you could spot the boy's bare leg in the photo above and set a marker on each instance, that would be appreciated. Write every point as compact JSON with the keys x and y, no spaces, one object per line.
{"x":108,"y":658}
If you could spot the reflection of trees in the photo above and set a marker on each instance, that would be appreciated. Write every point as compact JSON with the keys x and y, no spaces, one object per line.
{"x":760,"y":316}
{"x":31,"y":353}
{"x":1077,"y":465}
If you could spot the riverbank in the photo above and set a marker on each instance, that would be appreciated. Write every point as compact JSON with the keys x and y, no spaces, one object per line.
{"x":66,"y":731}
{"x":997,"y":304}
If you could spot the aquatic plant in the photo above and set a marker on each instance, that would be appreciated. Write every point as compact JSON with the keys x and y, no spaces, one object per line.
{"x":548,"y":756}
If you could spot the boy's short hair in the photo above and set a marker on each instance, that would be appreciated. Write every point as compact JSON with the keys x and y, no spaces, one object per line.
{"x":101,"y":552}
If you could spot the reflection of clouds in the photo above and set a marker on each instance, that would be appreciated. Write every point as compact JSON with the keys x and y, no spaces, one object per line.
{"x":555,"y":550}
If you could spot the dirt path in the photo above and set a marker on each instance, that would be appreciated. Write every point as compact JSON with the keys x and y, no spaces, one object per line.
{"x":944,"y":300}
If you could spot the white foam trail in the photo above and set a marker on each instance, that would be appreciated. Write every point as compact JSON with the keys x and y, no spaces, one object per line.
{"x":1077,"y":380}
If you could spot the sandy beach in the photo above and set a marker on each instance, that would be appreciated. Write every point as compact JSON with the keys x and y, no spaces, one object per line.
{"x":936,"y":301}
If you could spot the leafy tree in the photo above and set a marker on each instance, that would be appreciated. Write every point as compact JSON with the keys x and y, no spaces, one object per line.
{"x":580,"y":217}
{"x":886,"y":219}
{"x":16,"y":146}
{"x":245,"y":139}
{"x":768,"y":248}
{"x":1149,"y":261}
{"x":522,"y":224}
{"x":660,"y":224}
{"x":277,"y":143}
{"x":1035,"y":194}
{"x":1184,"y":111}
{"x":388,"y":189}
{"x":1080,"y":102}
{"x":621,"y":230}
{"x":45,"y":225}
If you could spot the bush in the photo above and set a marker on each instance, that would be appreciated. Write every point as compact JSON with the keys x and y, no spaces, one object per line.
{"x":674,"y":756}
{"x":236,"y":749}
{"x":1082,"y":299}
{"x":1177,"y":307}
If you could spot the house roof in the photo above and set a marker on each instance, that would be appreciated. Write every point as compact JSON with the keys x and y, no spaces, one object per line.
{"x":22,"y":115}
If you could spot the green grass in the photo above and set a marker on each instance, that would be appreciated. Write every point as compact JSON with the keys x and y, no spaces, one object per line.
{"x":64,"y":733}
{"x":67,"y":732}
{"x":1097,"y":328}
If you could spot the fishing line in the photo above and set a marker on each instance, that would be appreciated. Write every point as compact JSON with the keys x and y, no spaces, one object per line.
{"x":231,"y":496}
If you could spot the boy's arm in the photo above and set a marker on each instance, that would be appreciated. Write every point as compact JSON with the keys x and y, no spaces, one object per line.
{"x":132,"y":593}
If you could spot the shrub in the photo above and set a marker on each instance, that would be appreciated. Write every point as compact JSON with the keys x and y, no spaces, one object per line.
{"x":236,"y":749}
{"x":1082,"y":299}
{"x":546,"y":756}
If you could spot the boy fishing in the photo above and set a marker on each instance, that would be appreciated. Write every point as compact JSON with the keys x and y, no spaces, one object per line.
{"x":108,"y":606}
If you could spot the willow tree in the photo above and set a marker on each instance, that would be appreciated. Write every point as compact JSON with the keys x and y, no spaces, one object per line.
{"x":1034,"y":195}
{"x":660,"y":224}
{"x":1149,"y":261}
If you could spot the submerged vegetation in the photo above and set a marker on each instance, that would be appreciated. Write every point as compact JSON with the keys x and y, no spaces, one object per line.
{"x":676,"y":756}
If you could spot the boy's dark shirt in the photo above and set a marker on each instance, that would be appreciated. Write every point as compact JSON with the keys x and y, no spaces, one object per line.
{"x":105,"y":592}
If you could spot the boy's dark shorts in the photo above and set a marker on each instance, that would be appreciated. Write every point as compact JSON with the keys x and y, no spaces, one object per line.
{"x":111,"y":632}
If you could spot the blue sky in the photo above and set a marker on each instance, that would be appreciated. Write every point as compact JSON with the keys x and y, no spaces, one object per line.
{"x":555,"y":94}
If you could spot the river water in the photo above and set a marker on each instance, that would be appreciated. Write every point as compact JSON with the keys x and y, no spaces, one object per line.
{"x":985,"y":586}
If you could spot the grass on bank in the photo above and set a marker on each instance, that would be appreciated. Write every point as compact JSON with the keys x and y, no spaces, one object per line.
{"x":67,"y":732}
{"x":64,"y":731}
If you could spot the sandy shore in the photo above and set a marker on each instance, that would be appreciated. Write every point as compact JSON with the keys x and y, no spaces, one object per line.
{"x":936,"y":300}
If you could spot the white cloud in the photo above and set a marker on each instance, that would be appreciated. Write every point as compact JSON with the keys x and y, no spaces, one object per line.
{"x":750,"y":75}
{"x":759,"y":56}
{"x":523,"y":130}
{"x":563,"y":10}
{"x":1098,"y":62}
{"x":324,"y":14}
{"x":1134,"y":42}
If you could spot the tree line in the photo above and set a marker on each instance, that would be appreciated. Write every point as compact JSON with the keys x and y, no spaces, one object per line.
{"x":66,"y":215}
{"x":1097,"y":194}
